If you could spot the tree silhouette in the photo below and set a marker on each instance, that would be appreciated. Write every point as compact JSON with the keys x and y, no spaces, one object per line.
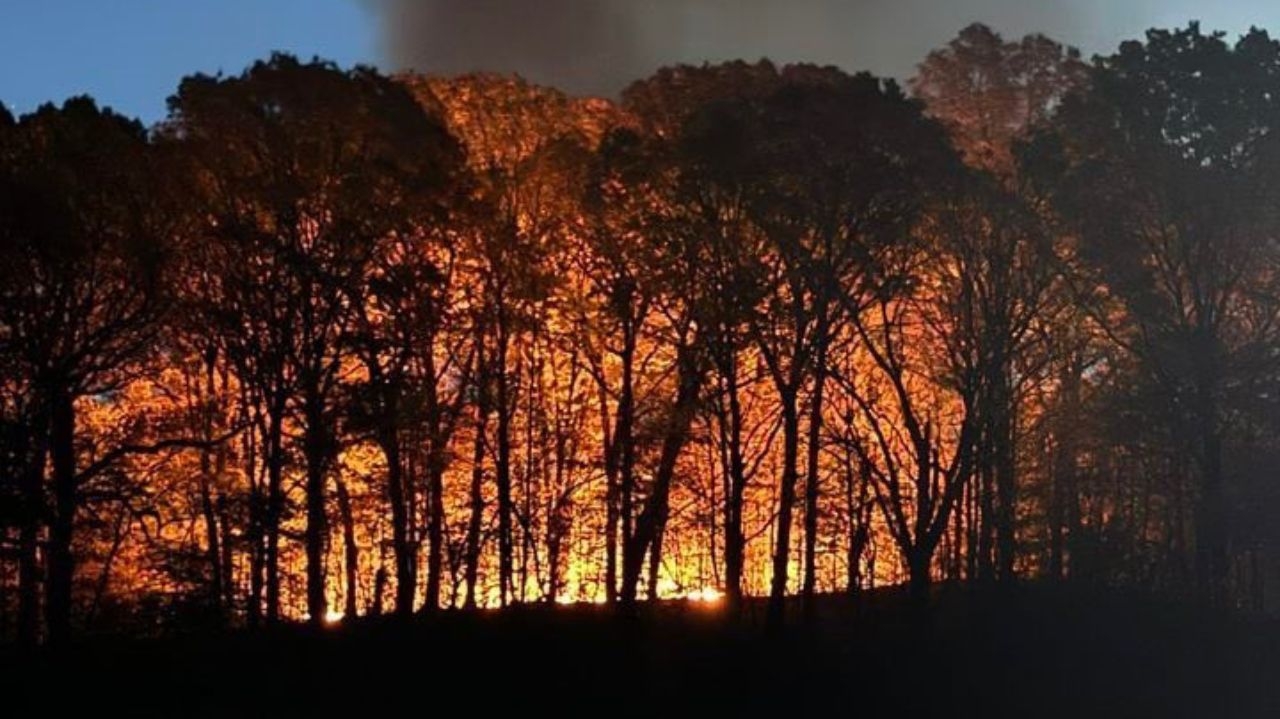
{"x":990,"y":93}
{"x":310,"y":172}
{"x":1161,"y":169}
{"x":83,"y":295}
{"x":752,"y":329}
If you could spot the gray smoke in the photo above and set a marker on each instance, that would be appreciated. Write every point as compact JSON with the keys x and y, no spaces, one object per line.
{"x":598,"y":46}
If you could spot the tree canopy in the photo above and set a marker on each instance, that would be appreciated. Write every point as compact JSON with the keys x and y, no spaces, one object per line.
{"x":326,"y":343}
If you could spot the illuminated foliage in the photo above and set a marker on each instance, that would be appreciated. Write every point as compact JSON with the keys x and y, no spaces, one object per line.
{"x":327,"y":343}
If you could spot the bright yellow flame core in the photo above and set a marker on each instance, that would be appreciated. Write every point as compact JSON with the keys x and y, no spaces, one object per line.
{"x":706,"y":595}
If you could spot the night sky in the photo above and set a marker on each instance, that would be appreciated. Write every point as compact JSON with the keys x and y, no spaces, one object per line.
{"x":130,"y":54}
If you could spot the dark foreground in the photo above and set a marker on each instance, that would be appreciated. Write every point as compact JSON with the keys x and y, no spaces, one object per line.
{"x":1034,"y":653}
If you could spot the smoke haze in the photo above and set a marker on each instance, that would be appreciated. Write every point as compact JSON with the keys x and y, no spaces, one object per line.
{"x":598,"y":46}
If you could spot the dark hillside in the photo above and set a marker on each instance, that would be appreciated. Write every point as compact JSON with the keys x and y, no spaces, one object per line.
{"x":1039,"y":653}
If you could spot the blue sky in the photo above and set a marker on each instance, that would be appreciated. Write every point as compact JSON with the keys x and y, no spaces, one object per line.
{"x":130,"y":54}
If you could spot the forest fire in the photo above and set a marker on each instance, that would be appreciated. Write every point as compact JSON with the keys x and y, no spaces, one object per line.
{"x":706,"y":595}
{"x":393,"y":346}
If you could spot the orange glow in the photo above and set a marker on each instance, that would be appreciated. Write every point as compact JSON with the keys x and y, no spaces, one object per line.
{"x":567,"y":384}
{"x":706,"y":595}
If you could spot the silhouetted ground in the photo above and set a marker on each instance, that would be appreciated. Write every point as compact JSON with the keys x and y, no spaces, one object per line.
{"x":1035,"y":652}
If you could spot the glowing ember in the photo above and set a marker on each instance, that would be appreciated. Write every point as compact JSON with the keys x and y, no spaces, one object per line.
{"x":706,"y":595}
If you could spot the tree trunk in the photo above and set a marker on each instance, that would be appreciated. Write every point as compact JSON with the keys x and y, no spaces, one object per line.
{"x":611,"y":520}
{"x":502,"y":471}
{"x":1064,"y":494}
{"x":208,"y":478}
{"x":986,"y":516}
{"x":379,"y":589}
{"x":653,"y":517}
{"x":435,"y":523}
{"x":857,"y":502}
{"x":29,"y":583}
{"x":316,"y":449}
{"x":475,"y":522}
{"x":611,"y":504}
{"x":655,"y":564}
{"x":274,"y":509}
{"x":811,"y":485}
{"x":213,"y":551}
{"x":256,"y":534}
{"x":1211,"y":529}
{"x":919,"y":565}
{"x":786,"y":505}
{"x":62,"y":427}
{"x":404,"y":557}
{"x":624,"y":439}
{"x":1004,"y":473}
{"x":734,"y":549}
{"x":554,"y":537}
{"x":32,"y":453}
{"x":351,"y":552}
{"x":437,"y":449}
{"x":973,"y":518}
{"x":228,"y":563}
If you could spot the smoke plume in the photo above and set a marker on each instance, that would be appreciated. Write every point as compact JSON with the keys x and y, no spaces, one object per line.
{"x":598,"y":46}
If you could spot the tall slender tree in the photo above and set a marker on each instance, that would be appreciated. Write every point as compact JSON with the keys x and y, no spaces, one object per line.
{"x":309,"y":171}
{"x":83,"y":279}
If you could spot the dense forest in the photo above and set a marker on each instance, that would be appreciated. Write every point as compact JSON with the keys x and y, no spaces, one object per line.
{"x":326,"y":343}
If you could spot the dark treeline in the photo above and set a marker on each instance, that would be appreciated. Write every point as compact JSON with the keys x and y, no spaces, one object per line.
{"x":325,"y":343}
